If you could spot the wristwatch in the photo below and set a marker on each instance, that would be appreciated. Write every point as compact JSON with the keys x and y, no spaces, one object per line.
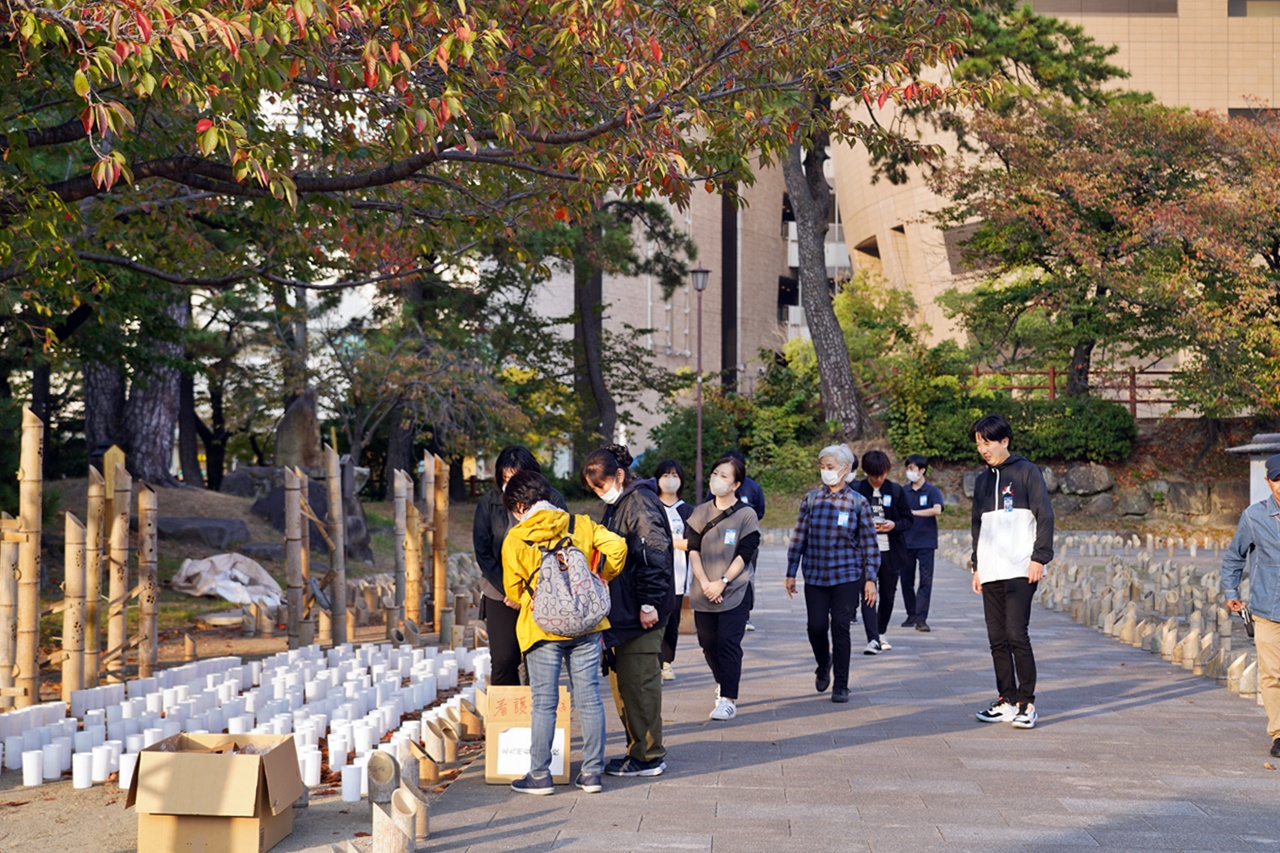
{"x":648,"y":608}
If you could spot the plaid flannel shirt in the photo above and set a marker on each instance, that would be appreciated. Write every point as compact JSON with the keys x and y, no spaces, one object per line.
{"x":832,"y":552}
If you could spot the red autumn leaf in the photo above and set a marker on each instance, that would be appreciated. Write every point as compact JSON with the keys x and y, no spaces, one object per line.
{"x":144,"y":27}
{"x":370,"y":78}
{"x":655,"y":49}
{"x":203,"y":124}
{"x":562,"y":214}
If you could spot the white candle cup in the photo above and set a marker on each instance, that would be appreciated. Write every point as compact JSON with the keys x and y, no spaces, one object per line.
{"x":82,"y":770}
{"x":151,"y":736}
{"x":64,"y":756}
{"x":82,"y":741}
{"x":33,"y":768}
{"x":51,"y":761}
{"x":116,"y":748}
{"x":352,"y":774}
{"x":101,"y":764}
{"x":134,"y":743}
{"x":128,"y":762}
{"x":311,"y":771}
{"x":13,"y":752}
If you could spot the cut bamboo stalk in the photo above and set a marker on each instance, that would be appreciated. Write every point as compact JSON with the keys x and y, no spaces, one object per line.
{"x":412,"y":563}
{"x":73,"y":613}
{"x":148,"y":583}
{"x":422,"y":821}
{"x":428,"y":767}
{"x":400,"y":506}
{"x":387,"y":836}
{"x":293,"y":553}
{"x":404,"y":813}
{"x":30,"y":487}
{"x":384,"y":776}
{"x":95,"y":528}
{"x":439,"y":541}
{"x":8,"y":615}
{"x":337,"y":526}
{"x":189,"y":652}
{"x":118,"y":578}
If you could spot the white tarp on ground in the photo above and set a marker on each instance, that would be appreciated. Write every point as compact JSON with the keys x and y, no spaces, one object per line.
{"x":233,"y":577}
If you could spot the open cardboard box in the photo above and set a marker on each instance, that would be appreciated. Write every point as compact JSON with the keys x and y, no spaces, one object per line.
{"x":193,"y":795}
{"x":507,"y":720}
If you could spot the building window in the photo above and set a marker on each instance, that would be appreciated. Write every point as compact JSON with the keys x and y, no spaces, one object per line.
{"x":1253,"y":8}
{"x":1107,"y":7}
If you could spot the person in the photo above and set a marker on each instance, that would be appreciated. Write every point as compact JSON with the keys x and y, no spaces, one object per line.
{"x":1012,"y":527}
{"x":893,"y":519}
{"x":669,"y":476}
{"x":642,"y":599}
{"x":749,"y":492}
{"x":540,"y":526}
{"x":724,"y":537}
{"x":1257,"y":545}
{"x":926,"y":502}
{"x":488,"y":531}
{"x":834,"y":544}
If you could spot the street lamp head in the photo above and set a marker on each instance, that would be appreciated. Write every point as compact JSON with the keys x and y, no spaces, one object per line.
{"x":699,"y":276}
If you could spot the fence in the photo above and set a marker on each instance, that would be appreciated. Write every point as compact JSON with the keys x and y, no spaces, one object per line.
{"x":1130,"y":387}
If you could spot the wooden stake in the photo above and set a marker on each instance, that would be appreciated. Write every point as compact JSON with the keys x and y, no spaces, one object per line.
{"x":336,"y":523}
{"x":73,"y":611}
{"x":30,"y":487}
{"x":95,"y":529}
{"x":400,"y":503}
{"x":293,"y":553}
{"x":412,"y":561}
{"x":440,"y":541}
{"x":118,"y":579}
{"x":188,"y":648}
{"x":8,"y":612}
{"x":148,"y":583}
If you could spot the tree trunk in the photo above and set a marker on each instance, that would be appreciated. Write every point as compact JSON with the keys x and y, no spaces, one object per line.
{"x":214,"y":438}
{"x":188,"y":431}
{"x":401,"y":429}
{"x":151,"y":414}
{"x":104,"y":399}
{"x":599,"y":410}
{"x":811,"y":201}
{"x":291,"y":320}
{"x":1078,"y":372}
{"x":42,"y":404}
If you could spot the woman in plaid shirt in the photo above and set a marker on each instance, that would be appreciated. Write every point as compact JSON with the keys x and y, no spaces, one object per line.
{"x":835,"y":540}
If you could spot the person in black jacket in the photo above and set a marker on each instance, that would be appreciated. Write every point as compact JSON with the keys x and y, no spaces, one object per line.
{"x":490,"y":528}
{"x":669,"y":476}
{"x":892,"y":513}
{"x":642,"y":599}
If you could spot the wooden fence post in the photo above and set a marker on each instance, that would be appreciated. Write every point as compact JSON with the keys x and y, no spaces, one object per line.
{"x":293,"y":553}
{"x":73,"y":608}
{"x":118,"y":578}
{"x":1133,"y":392}
{"x":148,"y":583}
{"x":337,"y":526}
{"x":94,"y":530}
{"x":400,"y":502}
{"x":429,"y":519}
{"x":8,"y":611}
{"x":30,"y":487}
{"x":440,"y":540}
{"x":412,"y":558}
{"x":1053,"y":383}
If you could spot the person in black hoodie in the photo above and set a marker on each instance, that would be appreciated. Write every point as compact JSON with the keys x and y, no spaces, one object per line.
{"x":1012,"y":525}
{"x":490,"y":528}
{"x":892,"y":513}
{"x":642,"y":599}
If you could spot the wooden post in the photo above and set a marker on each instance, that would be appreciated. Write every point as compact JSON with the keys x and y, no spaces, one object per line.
{"x":189,"y":652}
{"x":412,"y":561}
{"x":113,"y":457}
{"x":336,"y":523}
{"x":428,"y":524}
{"x":73,"y":608}
{"x":1053,"y":383}
{"x":1133,"y":392}
{"x":306,"y":615}
{"x":8,"y":612}
{"x":94,"y":535}
{"x":400,"y":503}
{"x":293,"y":552}
{"x":440,"y":540}
{"x":118,"y":578}
{"x":148,"y":583}
{"x":30,"y":487}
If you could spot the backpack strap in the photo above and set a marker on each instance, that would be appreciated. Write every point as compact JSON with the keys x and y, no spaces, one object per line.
{"x":721,"y":517}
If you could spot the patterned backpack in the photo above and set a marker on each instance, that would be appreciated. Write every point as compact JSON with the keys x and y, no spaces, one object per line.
{"x":570,"y":599}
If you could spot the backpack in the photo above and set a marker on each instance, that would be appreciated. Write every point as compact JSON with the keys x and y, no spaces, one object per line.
{"x":570,"y":598}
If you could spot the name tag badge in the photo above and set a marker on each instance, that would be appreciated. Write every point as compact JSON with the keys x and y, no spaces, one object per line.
{"x":1008,"y":504}
{"x":731,"y":537}
{"x":887,"y":500}
{"x":843,"y":520}
{"x":924,"y":500}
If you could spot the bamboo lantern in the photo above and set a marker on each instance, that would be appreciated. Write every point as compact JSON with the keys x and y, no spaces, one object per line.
{"x":412,"y":559}
{"x":336,"y":523}
{"x":293,"y":553}
{"x":148,"y":583}
{"x":8,"y":614}
{"x":30,"y":487}
{"x":73,"y":608}
{"x":439,"y":541}
{"x":94,"y":530}
{"x":399,"y":484}
{"x":118,"y":578}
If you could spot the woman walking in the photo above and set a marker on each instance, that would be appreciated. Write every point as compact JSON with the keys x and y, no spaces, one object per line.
{"x":669,"y":476}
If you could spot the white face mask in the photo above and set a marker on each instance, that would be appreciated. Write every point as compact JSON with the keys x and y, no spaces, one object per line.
{"x":669,"y":485}
{"x":913,"y":476}
{"x":720,"y":487}
{"x":832,"y":477}
{"x":611,"y":497}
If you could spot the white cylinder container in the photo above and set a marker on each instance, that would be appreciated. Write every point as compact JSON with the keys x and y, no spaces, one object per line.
{"x":13,"y":752}
{"x":128,"y":761}
{"x":64,"y":755}
{"x":82,"y":741}
{"x":82,"y":770}
{"x":116,"y":748}
{"x":101,"y":763}
{"x":134,"y":743}
{"x":51,"y":761}
{"x":352,"y":774}
{"x":311,"y":768}
{"x":33,"y":768}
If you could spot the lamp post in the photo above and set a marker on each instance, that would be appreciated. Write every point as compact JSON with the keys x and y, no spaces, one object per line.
{"x":699,"y":276}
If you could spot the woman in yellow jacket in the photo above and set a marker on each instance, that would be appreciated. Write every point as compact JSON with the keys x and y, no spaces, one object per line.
{"x":541,"y":523}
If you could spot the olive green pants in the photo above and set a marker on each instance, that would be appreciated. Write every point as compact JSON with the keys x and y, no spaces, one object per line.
{"x":636,"y":680}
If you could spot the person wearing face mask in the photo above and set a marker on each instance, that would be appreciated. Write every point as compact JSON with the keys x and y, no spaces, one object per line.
{"x":834,"y":544}
{"x":670,"y":478}
{"x":488,"y":531}
{"x":893,"y":519}
{"x":642,"y":598}
{"x":724,"y":536}
{"x":539,"y":526}
{"x":926,"y":504}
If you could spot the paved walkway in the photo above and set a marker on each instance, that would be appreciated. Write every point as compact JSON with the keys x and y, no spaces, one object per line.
{"x":1130,"y":753}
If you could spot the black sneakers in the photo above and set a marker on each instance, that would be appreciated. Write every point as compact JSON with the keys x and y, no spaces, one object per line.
{"x":822,"y":679}
{"x":1275,"y":747}
{"x":840,"y":695}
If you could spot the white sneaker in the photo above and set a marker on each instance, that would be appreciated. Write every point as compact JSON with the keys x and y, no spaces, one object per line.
{"x":750,"y":627}
{"x":873,"y":648}
{"x":668,"y":674}
{"x":999,"y":712}
{"x":884,"y":645}
{"x":726,"y":709}
{"x":1026,"y":716}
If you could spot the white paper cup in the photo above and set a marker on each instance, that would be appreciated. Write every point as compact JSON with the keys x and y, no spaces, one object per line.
{"x":33,"y":768}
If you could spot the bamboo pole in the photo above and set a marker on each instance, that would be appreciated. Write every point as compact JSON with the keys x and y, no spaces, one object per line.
{"x":8,"y":613}
{"x":400,"y":503}
{"x":336,"y":524}
{"x":412,"y":562}
{"x":428,"y":526}
{"x":293,"y":553}
{"x":118,"y":579}
{"x":94,"y":530}
{"x":148,"y":583}
{"x":30,"y":486}
{"x":439,"y":540}
{"x":307,"y":620}
{"x":73,"y":612}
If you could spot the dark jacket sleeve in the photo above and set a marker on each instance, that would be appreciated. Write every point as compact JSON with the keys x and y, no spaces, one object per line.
{"x":981,"y":503}
{"x":651,"y":544}
{"x":756,"y":497}
{"x":487,"y":552}
{"x":684,"y":511}
{"x":1042,"y":509}
{"x":558,"y":500}
{"x":902,"y":517}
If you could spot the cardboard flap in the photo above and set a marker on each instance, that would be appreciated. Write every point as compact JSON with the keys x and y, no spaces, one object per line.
{"x":195,"y":783}
{"x":282,"y":783}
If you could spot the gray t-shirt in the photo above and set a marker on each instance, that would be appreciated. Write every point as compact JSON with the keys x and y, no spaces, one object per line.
{"x":717,"y":551}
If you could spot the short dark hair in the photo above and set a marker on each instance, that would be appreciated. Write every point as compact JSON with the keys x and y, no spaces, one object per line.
{"x":734,"y":461}
{"x":991,"y":428}
{"x":875,"y":463}
{"x":525,"y":488}
{"x":670,"y":466}
{"x":518,"y":458}
{"x":604,"y":463}
{"x":921,"y":462}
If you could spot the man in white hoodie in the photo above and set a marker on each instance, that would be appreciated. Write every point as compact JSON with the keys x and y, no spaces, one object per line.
{"x":1012,"y":541}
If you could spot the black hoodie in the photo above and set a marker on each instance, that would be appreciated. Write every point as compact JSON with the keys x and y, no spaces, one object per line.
{"x":640,"y":517}
{"x":1012,"y":520}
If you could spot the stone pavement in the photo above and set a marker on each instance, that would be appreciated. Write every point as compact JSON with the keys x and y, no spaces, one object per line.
{"x":1129,"y":753}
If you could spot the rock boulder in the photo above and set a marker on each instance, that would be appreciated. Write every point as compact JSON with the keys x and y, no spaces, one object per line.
{"x":218,"y":533}
{"x":1133,"y":502}
{"x":1188,"y":498}
{"x":1089,"y":479}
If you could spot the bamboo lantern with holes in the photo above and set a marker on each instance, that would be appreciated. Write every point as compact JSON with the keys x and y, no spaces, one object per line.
{"x":94,"y":529}
{"x":293,"y":553}
{"x":118,"y":578}
{"x":428,"y":519}
{"x":73,"y":608}
{"x":412,"y":560}
{"x":336,"y":523}
{"x":30,"y":487}
{"x":400,"y":504}
{"x":148,"y":583}
{"x":439,"y":541}
{"x":8,"y":614}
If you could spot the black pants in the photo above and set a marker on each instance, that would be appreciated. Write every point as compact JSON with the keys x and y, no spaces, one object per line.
{"x":504,"y":649}
{"x":1007,"y":607}
{"x":672,"y":633}
{"x":720,"y":635}
{"x":875,"y":618}
{"x":830,"y":609}
{"x":916,"y":599}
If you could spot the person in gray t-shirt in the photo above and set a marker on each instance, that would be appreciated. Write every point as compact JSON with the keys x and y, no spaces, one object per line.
{"x":723,"y":538}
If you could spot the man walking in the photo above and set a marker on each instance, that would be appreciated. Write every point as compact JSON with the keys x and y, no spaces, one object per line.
{"x":1012,"y":527}
{"x":1257,"y":544}
{"x":926,"y":504}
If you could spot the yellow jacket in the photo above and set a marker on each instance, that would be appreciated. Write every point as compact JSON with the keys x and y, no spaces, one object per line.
{"x":521,"y":561}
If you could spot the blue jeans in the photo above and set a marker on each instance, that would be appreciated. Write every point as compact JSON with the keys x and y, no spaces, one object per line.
{"x":544,"y":662}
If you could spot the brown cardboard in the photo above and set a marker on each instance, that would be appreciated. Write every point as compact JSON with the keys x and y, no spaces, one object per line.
{"x":190,"y":797}
{"x":507,"y":723}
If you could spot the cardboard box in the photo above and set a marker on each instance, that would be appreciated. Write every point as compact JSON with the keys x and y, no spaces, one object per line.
{"x":508,"y":715}
{"x":193,"y":796}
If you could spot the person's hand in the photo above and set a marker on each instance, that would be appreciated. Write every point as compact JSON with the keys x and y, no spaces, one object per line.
{"x":648,"y":620}
{"x":514,"y":605}
{"x":679,"y":543}
{"x":1236,"y":605}
{"x":714,"y":591}
{"x":885,"y":527}
{"x":1035,"y":572}
{"x":789,"y":584}
{"x":977,"y":584}
{"x":869,"y":593}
